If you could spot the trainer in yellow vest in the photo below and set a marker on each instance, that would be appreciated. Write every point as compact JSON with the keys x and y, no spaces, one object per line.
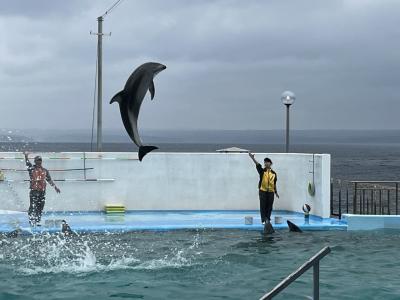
{"x":268,"y":181}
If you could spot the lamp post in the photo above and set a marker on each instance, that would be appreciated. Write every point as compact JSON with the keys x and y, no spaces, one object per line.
{"x":287,"y":99}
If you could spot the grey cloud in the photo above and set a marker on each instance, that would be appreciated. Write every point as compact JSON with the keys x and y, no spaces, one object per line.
{"x":228,"y":62}
{"x":42,"y":8}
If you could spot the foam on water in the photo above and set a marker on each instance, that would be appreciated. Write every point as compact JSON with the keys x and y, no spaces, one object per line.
{"x":178,"y":260}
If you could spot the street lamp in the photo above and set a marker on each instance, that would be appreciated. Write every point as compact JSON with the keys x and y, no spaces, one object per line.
{"x":287,"y":99}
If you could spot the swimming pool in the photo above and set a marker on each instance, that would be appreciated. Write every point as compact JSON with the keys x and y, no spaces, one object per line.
{"x":197,"y":264}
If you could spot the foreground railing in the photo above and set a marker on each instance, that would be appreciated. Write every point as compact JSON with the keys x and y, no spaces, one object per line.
{"x":364,"y":197}
{"x":312,"y":262}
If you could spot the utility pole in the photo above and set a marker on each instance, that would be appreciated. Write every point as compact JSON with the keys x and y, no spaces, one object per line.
{"x":100,"y":73}
{"x":99,"y":81}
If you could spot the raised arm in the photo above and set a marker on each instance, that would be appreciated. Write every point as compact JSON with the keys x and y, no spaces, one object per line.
{"x":253,"y":159}
{"x":27,"y":162}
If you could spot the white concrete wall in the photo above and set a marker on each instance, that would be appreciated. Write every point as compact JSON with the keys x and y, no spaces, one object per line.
{"x":170,"y":181}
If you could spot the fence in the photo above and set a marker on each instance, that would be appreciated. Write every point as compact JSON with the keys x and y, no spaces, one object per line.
{"x":364,"y":197}
{"x":313,"y":262}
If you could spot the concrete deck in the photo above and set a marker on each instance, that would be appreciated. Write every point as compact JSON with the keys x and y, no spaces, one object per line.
{"x":371,"y":222}
{"x":82,"y":222}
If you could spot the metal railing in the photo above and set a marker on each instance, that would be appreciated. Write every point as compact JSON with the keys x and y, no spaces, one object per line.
{"x":364,"y":197}
{"x":312,"y":262}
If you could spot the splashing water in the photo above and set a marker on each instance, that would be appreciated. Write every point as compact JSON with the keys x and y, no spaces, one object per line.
{"x":89,"y":253}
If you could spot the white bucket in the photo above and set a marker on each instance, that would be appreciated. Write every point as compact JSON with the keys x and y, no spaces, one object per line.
{"x":248,"y":220}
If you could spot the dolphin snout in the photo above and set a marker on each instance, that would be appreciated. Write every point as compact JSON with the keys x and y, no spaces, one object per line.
{"x":159,"y":68}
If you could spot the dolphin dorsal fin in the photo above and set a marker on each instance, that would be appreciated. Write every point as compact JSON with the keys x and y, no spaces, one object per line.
{"x":152,"y":89}
{"x":119,"y":97}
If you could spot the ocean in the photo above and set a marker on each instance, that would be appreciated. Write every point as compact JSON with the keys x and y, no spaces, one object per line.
{"x":349,"y":161}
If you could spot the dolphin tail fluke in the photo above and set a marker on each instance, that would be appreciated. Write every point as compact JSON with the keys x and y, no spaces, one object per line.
{"x":143,"y":150}
{"x":268,"y":229}
{"x":293,"y":227}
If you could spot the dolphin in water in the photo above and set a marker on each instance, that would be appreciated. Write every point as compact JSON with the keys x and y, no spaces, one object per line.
{"x":65,"y":228}
{"x":293,"y":227}
{"x":131,"y":97}
{"x":13,"y":234}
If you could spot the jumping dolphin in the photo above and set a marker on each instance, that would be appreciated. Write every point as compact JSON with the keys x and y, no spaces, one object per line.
{"x":131,"y":97}
{"x":293,"y":227}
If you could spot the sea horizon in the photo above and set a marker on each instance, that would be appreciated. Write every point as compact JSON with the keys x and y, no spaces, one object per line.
{"x":201,"y":136}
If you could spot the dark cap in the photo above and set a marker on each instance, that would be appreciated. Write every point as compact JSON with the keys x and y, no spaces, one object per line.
{"x":38,"y":158}
{"x":267,"y":160}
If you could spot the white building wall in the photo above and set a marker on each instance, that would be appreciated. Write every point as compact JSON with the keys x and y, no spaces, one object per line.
{"x":169,"y":181}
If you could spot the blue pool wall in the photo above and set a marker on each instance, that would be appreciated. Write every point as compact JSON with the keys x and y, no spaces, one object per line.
{"x":91,"y":222}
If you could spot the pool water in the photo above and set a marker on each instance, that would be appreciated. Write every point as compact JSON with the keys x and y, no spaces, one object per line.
{"x":198,"y":264}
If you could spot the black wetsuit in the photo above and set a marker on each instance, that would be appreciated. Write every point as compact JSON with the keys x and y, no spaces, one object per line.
{"x":37,"y":201}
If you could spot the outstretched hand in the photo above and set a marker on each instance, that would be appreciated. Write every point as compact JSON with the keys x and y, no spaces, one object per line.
{"x":252,"y":158}
{"x":57,"y":189}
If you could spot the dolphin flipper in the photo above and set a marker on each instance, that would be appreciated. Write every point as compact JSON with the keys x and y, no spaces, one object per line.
{"x":268,"y":229}
{"x":118,"y":97}
{"x":152,"y":89}
{"x":293,"y":227}
{"x":143,"y":150}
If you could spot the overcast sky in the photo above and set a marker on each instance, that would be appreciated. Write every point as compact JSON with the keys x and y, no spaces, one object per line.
{"x":227,"y":63}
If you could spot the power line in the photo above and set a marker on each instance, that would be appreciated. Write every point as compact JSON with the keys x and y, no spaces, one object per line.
{"x":112,"y":7}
